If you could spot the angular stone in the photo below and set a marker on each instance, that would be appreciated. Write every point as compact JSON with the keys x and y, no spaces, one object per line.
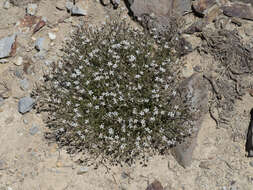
{"x":105,"y":2}
{"x":160,"y":7}
{"x":201,"y":6}
{"x":7,"y":46}
{"x":24,"y":84}
{"x":6,"y":4}
{"x":195,"y":90}
{"x":69,"y":5}
{"x":82,"y":171}
{"x":41,"y":44}
{"x":249,"y":140}
{"x":19,"y":61}
{"x":77,"y":11}
{"x":156,"y":185}
{"x":34,"y":129}
{"x":238,"y":10}
{"x":195,"y":27}
{"x":25,"y":104}
{"x":212,"y":13}
{"x":39,"y":25}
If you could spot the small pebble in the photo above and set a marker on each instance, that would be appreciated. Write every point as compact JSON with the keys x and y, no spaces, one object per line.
{"x":48,"y":62}
{"x":51,"y":36}
{"x":25,"y":104}
{"x":69,"y":5}
{"x":3,"y":60}
{"x":34,"y":130}
{"x":1,"y":101}
{"x":7,"y":4}
{"x":25,"y":121}
{"x":82,"y":171}
{"x":24,"y":84}
{"x":124,"y":175}
{"x":31,"y":9}
{"x":39,"y":44}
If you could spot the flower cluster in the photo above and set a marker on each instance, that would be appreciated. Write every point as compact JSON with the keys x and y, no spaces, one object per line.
{"x":111,"y":94}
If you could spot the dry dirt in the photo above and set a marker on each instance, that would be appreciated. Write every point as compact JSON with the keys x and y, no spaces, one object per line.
{"x":31,"y":162}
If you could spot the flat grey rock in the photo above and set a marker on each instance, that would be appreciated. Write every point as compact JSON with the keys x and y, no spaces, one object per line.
{"x":6,"y":45}
{"x":75,"y":10}
{"x":196,"y":89}
{"x":25,"y":104}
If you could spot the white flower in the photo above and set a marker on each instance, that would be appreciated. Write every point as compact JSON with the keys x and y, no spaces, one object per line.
{"x":68,"y":103}
{"x":111,"y":131}
{"x":176,"y":107}
{"x":174,"y":93}
{"x":122,"y":146}
{"x":90,"y":92}
{"x":141,"y":113}
{"x":143,"y":122}
{"x":119,"y":119}
{"x":86,"y":121}
{"x":109,"y":63}
{"x":152,"y":119}
{"x":101,"y":126}
{"x":115,"y":66}
{"x":68,"y":83}
{"x":60,"y":64}
{"x":89,"y":105}
{"x":111,"y":72}
{"x":87,"y":82}
{"x":137,"y":76}
{"x":171,"y":114}
{"x":132,"y":58}
{"x":73,"y":75}
{"x":96,"y":107}
{"x":146,"y":110}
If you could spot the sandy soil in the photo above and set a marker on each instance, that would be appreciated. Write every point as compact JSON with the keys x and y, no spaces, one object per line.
{"x":31,"y":162}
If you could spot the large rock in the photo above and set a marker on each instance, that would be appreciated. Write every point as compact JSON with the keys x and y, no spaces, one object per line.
{"x":200,"y":6}
{"x":7,"y":46}
{"x":239,"y":10}
{"x":160,"y":7}
{"x":195,"y":90}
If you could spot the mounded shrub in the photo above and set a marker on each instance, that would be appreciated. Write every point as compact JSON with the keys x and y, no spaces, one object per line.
{"x":111,"y":94}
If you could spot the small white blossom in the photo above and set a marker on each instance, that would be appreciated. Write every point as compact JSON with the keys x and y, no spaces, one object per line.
{"x":132,"y":58}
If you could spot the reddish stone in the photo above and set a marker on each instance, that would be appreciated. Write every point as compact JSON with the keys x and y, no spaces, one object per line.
{"x":14,"y":47}
{"x":39,"y":25}
{"x":29,"y":21}
{"x":200,"y":6}
{"x":156,"y":185}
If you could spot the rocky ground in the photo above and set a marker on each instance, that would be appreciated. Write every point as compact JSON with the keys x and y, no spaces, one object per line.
{"x":29,"y":161}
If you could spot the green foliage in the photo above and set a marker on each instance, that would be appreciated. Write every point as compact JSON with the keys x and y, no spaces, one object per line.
{"x":111,"y":94}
